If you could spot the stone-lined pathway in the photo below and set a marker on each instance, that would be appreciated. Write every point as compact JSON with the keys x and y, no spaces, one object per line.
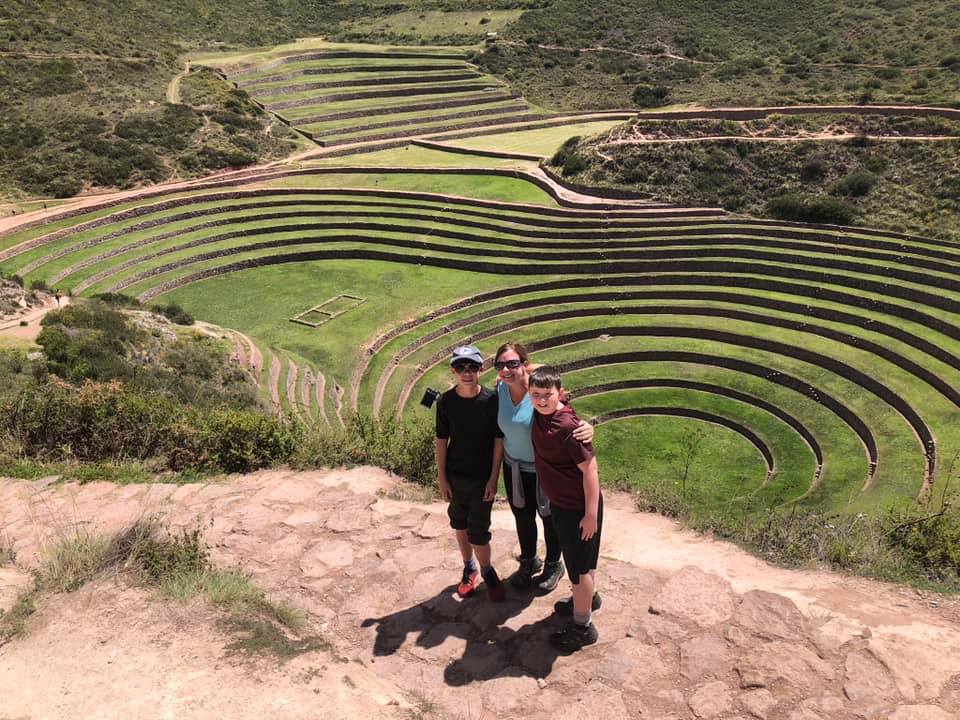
{"x":690,"y":627}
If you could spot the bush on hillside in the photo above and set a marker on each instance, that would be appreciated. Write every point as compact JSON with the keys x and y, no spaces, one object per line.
{"x":931,"y":540}
{"x":832,"y":211}
{"x":646,"y":95}
{"x":117,"y":300}
{"x":110,"y":422}
{"x":856,"y":184}
{"x":176,"y":314}
{"x":815,"y":169}
{"x":171,"y":128}
{"x":404,"y":447}
{"x":56,"y":76}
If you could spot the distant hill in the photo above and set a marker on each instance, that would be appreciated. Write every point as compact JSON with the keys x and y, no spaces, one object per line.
{"x":76,"y":76}
{"x":83,"y":85}
{"x":724,"y":52}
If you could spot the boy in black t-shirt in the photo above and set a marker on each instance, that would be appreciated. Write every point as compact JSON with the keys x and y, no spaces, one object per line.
{"x":469,"y":451}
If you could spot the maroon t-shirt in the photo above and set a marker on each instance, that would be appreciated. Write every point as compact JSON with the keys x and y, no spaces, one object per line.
{"x":557,"y":456}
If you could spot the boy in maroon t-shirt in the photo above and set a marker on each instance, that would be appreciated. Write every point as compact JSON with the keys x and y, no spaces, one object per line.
{"x":567,"y":472}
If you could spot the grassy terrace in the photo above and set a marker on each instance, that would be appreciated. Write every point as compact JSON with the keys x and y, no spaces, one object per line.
{"x":337,"y":94}
{"x":813,"y":364}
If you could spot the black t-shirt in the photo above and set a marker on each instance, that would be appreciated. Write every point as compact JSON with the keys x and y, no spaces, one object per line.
{"x":470,"y":424}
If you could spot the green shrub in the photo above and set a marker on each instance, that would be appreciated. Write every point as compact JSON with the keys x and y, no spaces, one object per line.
{"x":569,"y":146}
{"x":573,"y":164}
{"x":646,"y":95}
{"x":404,"y":447}
{"x":856,"y":184}
{"x":821,"y":210}
{"x":175,"y":313}
{"x":93,"y":422}
{"x":239,"y":440}
{"x":931,"y":540}
{"x":117,"y":300}
{"x":832,"y":211}
{"x":56,"y":76}
{"x":814,"y":169}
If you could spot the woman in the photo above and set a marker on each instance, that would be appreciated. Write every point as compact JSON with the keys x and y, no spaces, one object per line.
{"x":515,"y":417}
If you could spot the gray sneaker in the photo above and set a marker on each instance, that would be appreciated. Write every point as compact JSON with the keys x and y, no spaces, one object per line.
{"x":523,"y":577}
{"x":552,"y":574}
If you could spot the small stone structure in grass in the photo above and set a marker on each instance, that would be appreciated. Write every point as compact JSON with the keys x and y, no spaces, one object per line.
{"x":327,"y":310}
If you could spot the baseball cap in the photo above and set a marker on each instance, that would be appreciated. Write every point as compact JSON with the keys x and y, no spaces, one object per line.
{"x":466,"y":353}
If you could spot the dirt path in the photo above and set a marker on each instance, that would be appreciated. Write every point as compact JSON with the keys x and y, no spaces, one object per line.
{"x":690,"y":627}
{"x":173,"y":89}
{"x":773,"y":139}
{"x":11,"y":327}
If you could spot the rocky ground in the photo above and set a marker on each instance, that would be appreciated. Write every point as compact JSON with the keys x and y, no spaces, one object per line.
{"x":690,"y":627}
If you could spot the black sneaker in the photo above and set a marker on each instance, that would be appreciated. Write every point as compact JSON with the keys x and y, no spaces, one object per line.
{"x":523,"y":577}
{"x":565,"y":607}
{"x":496,"y":592}
{"x":551,"y":576}
{"x":574,"y":636}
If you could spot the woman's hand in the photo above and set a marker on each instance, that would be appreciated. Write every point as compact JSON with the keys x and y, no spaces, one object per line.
{"x":583,"y":432}
{"x":490,"y":490}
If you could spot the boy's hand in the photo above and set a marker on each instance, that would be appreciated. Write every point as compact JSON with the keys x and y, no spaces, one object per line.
{"x":588,"y":527}
{"x":583,"y":432}
{"x":490,"y":490}
{"x":446,"y":492}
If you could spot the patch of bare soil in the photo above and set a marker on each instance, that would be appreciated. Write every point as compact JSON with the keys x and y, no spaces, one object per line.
{"x":25,"y":306}
{"x":690,"y":628}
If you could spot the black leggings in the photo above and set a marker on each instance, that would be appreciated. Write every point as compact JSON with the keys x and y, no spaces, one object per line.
{"x":526,"y":518}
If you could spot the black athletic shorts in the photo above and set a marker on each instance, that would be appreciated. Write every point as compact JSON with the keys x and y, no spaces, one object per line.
{"x":468,"y":510}
{"x":580,"y":557}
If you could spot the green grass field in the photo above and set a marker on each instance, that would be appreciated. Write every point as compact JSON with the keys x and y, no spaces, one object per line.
{"x":813,"y":360}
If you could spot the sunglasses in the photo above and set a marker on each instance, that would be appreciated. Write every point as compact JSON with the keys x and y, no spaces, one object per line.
{"x":466,"y":367}
{"x":511,"y":364}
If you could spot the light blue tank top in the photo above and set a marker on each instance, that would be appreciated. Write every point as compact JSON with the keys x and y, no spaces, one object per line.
{"x":516,"y":422}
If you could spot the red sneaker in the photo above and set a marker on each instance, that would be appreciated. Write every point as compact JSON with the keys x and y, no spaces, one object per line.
{"x":468,"y":583}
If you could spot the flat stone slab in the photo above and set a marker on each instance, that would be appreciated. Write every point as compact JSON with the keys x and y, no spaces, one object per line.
{"x":769,"y":616}
{"x":868,"y":685}
{"x":771,"y":662}
{"x":692,"y":594}
{"x":705,"y":656}
{"x":710,"y":700}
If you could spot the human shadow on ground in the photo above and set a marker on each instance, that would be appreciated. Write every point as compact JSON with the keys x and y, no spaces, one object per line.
{"x":491,"y":650}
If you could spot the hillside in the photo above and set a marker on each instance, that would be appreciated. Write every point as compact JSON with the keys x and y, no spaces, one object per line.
{"x":83,"y":90}
{"x":900,"y":174}
{"x":577,"y":54}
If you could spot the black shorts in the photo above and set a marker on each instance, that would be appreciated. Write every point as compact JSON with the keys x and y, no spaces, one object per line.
{"x":468,"y":510}
{"x":580,"y":557}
